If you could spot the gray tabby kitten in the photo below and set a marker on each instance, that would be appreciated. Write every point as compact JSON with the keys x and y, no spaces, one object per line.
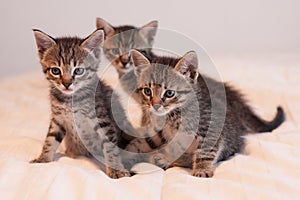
{"x":120,"y":40}
{"x":81,"y":104}
{"x":184,"y":113}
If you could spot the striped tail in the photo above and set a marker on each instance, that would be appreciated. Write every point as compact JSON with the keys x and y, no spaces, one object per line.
{"x":256,"y":124}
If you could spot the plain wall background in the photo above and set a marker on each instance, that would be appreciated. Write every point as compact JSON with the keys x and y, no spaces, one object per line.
{"x":222,"y":27}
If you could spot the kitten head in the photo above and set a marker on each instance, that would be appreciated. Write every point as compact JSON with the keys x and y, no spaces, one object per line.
{"x":166,"y":83}
{"x":120,"y":40}
{"x":69,"y":62}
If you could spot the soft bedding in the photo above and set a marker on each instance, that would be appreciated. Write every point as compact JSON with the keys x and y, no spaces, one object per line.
{"x":269,"y":167}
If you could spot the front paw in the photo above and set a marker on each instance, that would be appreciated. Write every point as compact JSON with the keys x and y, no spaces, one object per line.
{"x":115,"y":174}
{"x":159,"y":160}
{"x":204,"y":173}
{"x":40,"y":160}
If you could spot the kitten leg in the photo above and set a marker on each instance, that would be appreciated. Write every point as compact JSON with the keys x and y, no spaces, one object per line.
{"x":54,"y":137}
{"x":115,"y":168}
{"x":203,"y":163}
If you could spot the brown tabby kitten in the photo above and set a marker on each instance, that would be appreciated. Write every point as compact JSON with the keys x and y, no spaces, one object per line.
{"x":81,"y":104}
{"x":193,"y":121}
{"x":121,"y":39}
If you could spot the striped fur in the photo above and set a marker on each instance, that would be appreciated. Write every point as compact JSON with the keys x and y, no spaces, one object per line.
{"x":81,"y":104}
{"x":198,"y":126}
{"x":121,"y":39}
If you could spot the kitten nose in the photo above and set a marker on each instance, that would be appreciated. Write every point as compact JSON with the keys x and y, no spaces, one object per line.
{"x":125,"y":59}
{"x":67,"y":84}
{"x":156,"y":106}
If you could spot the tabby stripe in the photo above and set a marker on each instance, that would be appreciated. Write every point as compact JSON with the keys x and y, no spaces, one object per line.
{"x":91,"y":69}
{"x":72,"y":55}
{"x":110,"y":133}
{"x":57,"y":112}
{"x":183,"y":92}
{"x":61,"y":56}
{"x":160,"y":135}
{"x":151,"y":143}
{"x":58,"y":124}
{"x":206,"y":159}
{"x":104,"y":124}
{"x":75,"y":62}
{"x":59,"y":136}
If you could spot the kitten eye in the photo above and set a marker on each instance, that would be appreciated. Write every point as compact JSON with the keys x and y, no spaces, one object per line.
{"x":169,"y":93}
{"x":115,"y":51}
{"x":147,"y":91}
{"x":78,"y":71}
{"x":55,"y":71}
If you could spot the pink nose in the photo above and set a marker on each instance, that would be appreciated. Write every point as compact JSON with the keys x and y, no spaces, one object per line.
{"x":124,"y":59}
{"x":67,"y":84}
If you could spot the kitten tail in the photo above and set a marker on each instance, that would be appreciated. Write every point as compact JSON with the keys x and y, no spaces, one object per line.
{"x":258,"y":125}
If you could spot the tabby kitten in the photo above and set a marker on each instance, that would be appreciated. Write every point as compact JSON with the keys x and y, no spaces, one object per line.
{"x":191,"y":120}
{"x":81,"y":104}
{"x":121,"y":39}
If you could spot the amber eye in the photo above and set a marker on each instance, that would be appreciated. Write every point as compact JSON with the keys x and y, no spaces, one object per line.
{"x":115,"y":51}
{"x":78,"y":71}
{"x":147,"y":91}
{"x":55,"y":71}
{"x":169,"y":93}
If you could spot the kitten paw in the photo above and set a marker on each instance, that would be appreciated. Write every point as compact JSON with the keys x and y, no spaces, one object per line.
{"x":115,"y":174}
{"x":159,"y":160}
{"x":204,"y":173}
{"x":40,"y":160}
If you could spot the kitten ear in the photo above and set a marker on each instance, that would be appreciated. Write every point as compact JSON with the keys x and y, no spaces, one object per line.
{"x":93,"y":42}
{"x":188,"y":66}
{"x":149,"y":30}
{"x":102,"y":24}
{"x":139,"y":61}
{"x":43,"y":41}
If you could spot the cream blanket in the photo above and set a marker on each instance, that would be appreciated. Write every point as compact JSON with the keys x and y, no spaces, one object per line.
{"x":269,"y":168}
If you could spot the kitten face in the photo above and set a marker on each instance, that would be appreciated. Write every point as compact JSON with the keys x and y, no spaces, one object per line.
{"x":159,"y":99}
{"x":120,"y":40}
{"x":163,"y":90}
{"x":165,"y":87}
{"x":68,"y":63}
{"x":116,"y":49}
{"x":67,"y":78}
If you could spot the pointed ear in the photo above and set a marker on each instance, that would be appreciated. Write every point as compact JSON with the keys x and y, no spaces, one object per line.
{"x":148,"y":31}
{"x":188,"y":66}
{"x":102,"y":24}
{"x":94,"y":42}
{"x":139,"y":61}
{"x":43,"y":41}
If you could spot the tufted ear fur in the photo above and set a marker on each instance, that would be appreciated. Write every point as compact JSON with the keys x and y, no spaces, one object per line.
{"x":139,"y":61}
{"x":107,"y":28}
{"x":43,"y":42}
{"x":188,"y":66}
{"x":148,"y":31}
